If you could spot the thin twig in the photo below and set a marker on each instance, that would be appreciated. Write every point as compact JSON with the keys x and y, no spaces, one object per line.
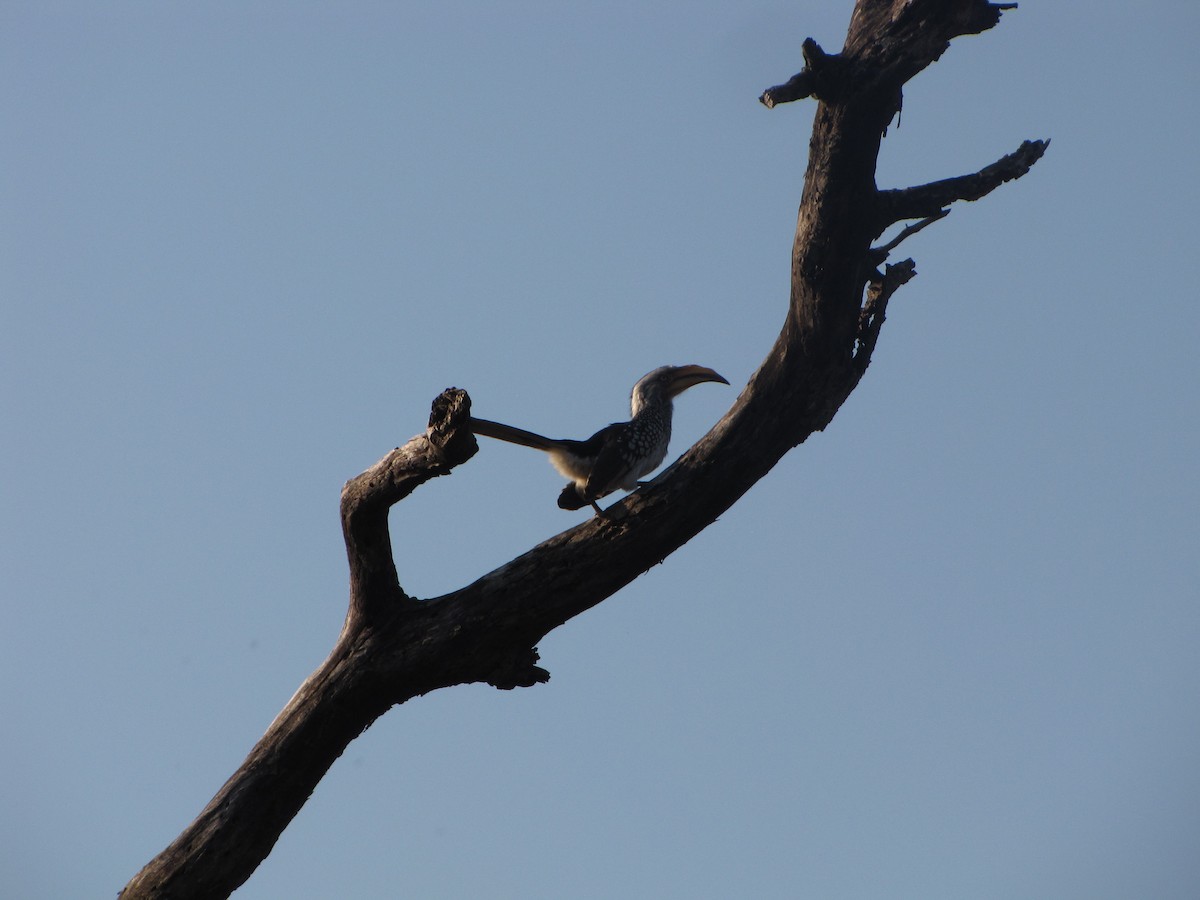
{"x":881,"y":253}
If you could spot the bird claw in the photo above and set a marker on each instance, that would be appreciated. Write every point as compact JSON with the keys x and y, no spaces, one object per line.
{"x":614,"y":513}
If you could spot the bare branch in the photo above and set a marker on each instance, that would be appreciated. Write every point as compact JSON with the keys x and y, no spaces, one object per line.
{"x":881,"y":253}
{"x":874,"y":311}
{"x":819,"y":78}
{"x":799,"y":86}
{"x":928,"y":200}
{"x":394,"y":647}
{"x":367,"y":498}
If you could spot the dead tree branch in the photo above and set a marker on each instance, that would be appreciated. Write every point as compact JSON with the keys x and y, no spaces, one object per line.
{"x":394,"y":647}
{"x":930,"y":199}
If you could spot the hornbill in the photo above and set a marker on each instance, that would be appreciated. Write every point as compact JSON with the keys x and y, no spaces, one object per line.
{"x":616,"y":456}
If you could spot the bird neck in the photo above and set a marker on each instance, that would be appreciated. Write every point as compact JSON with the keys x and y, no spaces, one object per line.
{"x":650,"y":404}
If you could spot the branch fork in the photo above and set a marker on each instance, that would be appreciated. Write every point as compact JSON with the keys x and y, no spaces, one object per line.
{"x":394,"y":647}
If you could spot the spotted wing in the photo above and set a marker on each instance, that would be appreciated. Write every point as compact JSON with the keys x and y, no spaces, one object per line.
{"x":614,"y":462}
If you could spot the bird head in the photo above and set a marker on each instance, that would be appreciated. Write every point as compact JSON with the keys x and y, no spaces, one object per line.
{"x":666,"y":382}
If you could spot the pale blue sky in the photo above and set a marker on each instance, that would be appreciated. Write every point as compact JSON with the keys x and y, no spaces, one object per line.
{"x":947,"y":649}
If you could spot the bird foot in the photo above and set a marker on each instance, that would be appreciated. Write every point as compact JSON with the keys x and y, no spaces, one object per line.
{"x":614,"y":513}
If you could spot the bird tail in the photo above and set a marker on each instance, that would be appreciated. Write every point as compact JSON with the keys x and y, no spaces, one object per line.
{"x":513,"y":435}
{"x":570,"y":498}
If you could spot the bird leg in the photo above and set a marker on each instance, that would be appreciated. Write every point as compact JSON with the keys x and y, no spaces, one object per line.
{"x":613,"y":514}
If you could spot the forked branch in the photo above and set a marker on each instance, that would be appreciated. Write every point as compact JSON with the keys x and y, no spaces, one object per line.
{"x":394,"y":647}
{"x":367,"y":499}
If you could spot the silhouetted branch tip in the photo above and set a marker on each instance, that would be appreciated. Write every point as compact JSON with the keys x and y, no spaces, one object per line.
{"x":799,"y":86}
{"x":928,"y":200}
{"x":821,"y":77}
{"x":449,"y":425}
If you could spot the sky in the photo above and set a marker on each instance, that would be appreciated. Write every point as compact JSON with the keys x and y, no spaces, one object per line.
{"x":946,"y":649}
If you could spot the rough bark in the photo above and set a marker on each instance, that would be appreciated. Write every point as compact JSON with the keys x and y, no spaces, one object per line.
{"x":394,"y":647}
